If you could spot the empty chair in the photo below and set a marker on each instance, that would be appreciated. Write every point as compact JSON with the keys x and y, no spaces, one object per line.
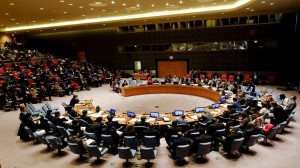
{"x":75,"y":148}
{"x":56,"y":143}
{"x":43,"y":140}
{"x":148,"y":153}
{"x":269,"y":135}
{"x":53,"y":128}
{"x":50,"y":107}
{"x":31,"y":106}
{"x":126,"y":153}
{"x":65,"y":105}
{"x":220,"y":132}
{"x":203,"y":149}
{"x":182,"y":151}
{"x":280,"y":127}
{"x":33,"y":113}
{"x":107,"y":140}
{"x":251,"y":141}
{"x":96,"y":151}
{"x":131,"y":141}
{"x":289,"y":119}
{"x":150,"y":141}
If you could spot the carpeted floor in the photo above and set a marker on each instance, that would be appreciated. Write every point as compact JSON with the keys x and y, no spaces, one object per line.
{"x":282,"y":152}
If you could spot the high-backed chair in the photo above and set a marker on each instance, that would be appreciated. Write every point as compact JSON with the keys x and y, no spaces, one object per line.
{"x":280,"y":127}
{"x":203,"y":149}
{"x":63,"y":132}
{"x":126,"y":153}
{"x":269,"y":135}
{"x":251,"y":141}
{"x":55,"y":143}
{"x":131,"y":141}
{"x":75,"y":148}
{"x":83,"y":122}
{"x":43,"y":140}
{"x":94,"y":150}
{"x":65,"y":105}
{"x":50,"y":107}
{"x":107,"y":140}
{"x":235,"y":147}
{"x":150,"y":141}
{"x":91,"y":135}
{"x":182,"y":151}
{"x":53,"y":128}
{"x":35,"y":134}
{"x":289,"y":119}
{"x":148,"y":153}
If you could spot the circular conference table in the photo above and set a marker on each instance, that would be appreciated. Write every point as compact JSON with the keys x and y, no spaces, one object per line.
{"x":122,"y":118}
{"x":171,"y":88}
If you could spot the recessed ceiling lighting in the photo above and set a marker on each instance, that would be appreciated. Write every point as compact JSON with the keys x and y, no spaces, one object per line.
{"x":104,"y":24}
{"x":41,"y":30}
{"x":13,"y":19}
{"x":80,"y":6}
{"x":145,"y":20}
{"x":222,"y":13}
{"x":168,"y":18}
{"x":194,"y":16}
{"x":51,"y":19}
{"x":65,"y":12}
{"x":263,"y":2}
{"x":2,"y":25}
{"x":152,"y":5}
{"x":271,"y":3}
{"x":12,"y":4}
{"x":62,"y":1}
{"x":247,"y":8}
{"x":167,"y":4}
{"x":54,"y":29}
{"x":91,"y":8}
{"x":41,"y":8}
{"x":128,"y":11}
{"x":141,"y":11}
{"x":70,"y":4}
{"x":33,"y":21}
{"x":138,"y":5}
{"x":180,"y":1}
{"x":6,"y":14}
{"x":113,"y":2}
{"x":252,"y":10}
{"x":82,"y":15}
{"x":124,"y":4}
{"x":103,"y":10}
{"x":214,"y":3}
{"x":17,"y":23}
{"x":116,"y":11}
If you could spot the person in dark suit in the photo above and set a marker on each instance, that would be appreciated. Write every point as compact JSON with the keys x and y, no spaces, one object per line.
{"x":74,"y":101}
{"x":85,"y":117}
{"x":151,"y":131}
{"x":112,"y":123}
{"x":251,"y":129}
{"x":180,"y":141}
{"x":58,"y":121}
{"x":211,"y":130}
{"x":279,"y":114}
{"x":229,"y":138}
{"x":172,"y":130}
{"x":110,"y":130}
{"x":142,"y":122}
{"x":201,"y":139}
{"x":96,"y":127}
{"x":71,"y":111}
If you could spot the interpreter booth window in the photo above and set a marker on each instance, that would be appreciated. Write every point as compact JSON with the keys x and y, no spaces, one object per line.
{"x":137,"y":66}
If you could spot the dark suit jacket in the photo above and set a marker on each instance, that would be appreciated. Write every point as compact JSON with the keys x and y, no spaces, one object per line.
{"x":153,"y":132}
{"x":229,"y":139}
{"x":171,"y":131}
{"x":201,"y":139}
{"x":180,"y":141}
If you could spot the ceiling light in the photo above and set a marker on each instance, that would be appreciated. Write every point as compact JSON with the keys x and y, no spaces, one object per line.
{"x":104,"y":24}
{"x":12,"y":4}
{"x":124,"y":4}
{"x":41,"y":8}
{"x":62,"y":1}
{"x":116,"y":11}
{"x":152,"y":5}
{"x":197,"y":10}
{"x":252,"y":10}
{"x":263,"y":2}
{"x":194,"y":16}
{"x":41,"y":30}
{"x":247,"y":8}
{"x":222,"y":13}
{"x":65,"y":12}
{"x":33,"y":21}
{"x":51,"y":19}
{"x":91,"y":8}
{"x":81,"y":7}
{"x":113,"y":2}
{"x":271,"y":3}
{"x":180,"y":1}
{"x":6,"y":14}
{"x":82,"y":15}
{"x":70,"y":4}
{"x":13,"y":19}
{"x":138,"y":5}
{"x":103,"y":10}
{"x":54,"y":29}
{"x":98,"y":3}
{"x":214,"y":3}
{"x":17,"y":23}
{"x":167,"y":4}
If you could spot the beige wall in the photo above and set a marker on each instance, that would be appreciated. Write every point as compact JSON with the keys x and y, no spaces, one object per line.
{"x":3,"y":38}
